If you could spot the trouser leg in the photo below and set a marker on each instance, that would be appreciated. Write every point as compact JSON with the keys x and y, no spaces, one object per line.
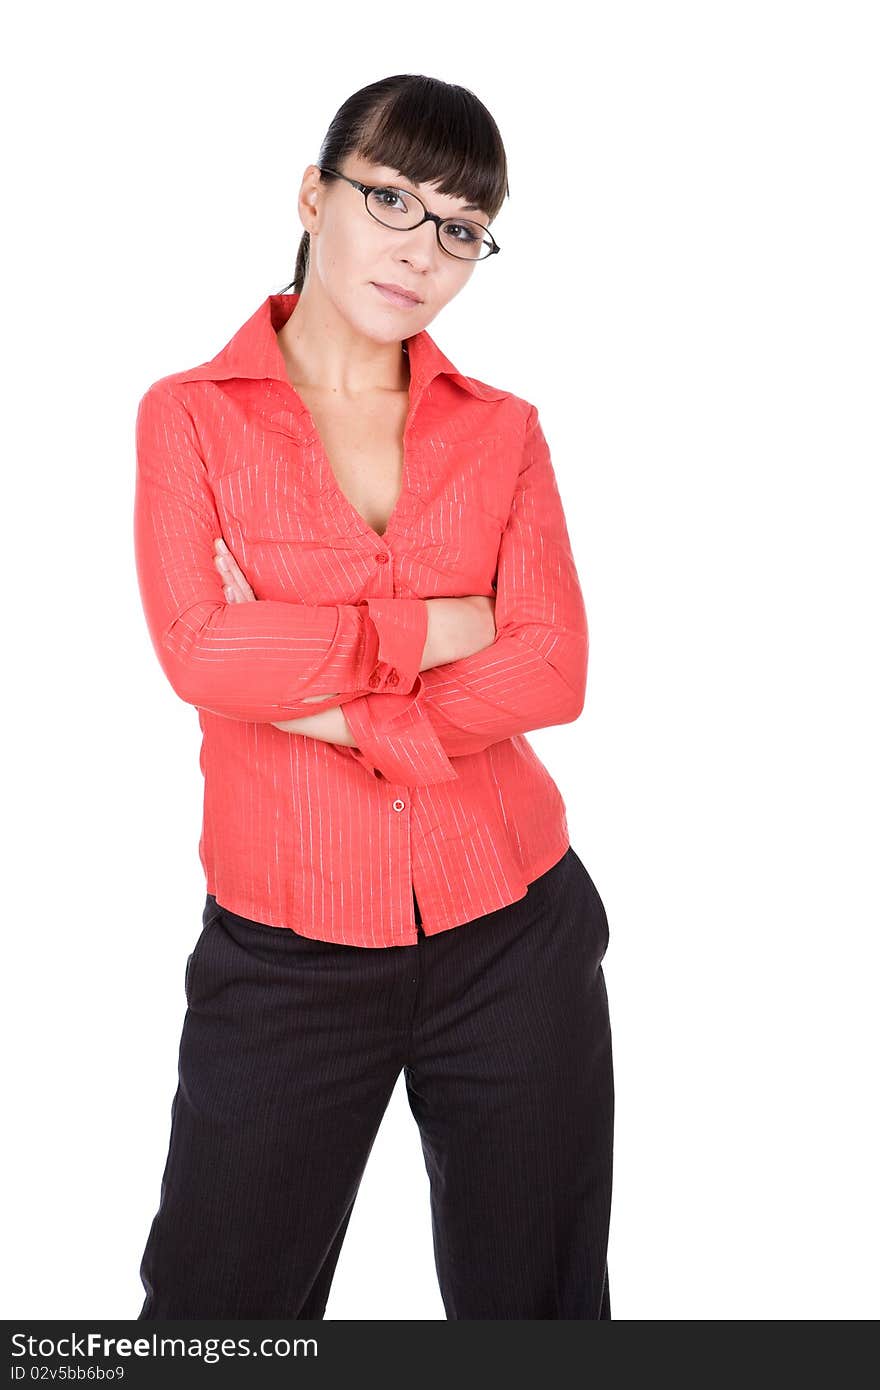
{"x":510,"y":1081}
{"x":289,"y":1054}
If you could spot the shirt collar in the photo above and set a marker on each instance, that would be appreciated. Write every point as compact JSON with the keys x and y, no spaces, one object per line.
{"x":253,"y":352}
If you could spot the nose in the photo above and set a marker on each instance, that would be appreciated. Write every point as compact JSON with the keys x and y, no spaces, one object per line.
{"x":420,"y":247}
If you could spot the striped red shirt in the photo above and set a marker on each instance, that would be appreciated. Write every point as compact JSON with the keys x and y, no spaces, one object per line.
{"x":443,"y":794}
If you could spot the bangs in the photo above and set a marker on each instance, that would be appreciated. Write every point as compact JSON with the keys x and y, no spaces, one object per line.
{"x":434,"y":132}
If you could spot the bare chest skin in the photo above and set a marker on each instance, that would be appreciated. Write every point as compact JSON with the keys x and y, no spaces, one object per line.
{"x":364,"y":447}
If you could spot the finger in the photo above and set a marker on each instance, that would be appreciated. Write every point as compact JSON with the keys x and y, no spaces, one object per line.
{"x":233,"y":577}
{"x":228,"y":562}
{"x":237,"y":578}
{"x":231,"y":589}
{"x":222,"y":552}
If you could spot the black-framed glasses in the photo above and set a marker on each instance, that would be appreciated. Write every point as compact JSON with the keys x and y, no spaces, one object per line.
{"x":403,"y":210}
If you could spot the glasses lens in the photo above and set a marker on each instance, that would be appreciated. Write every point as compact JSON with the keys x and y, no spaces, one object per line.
{"x":468,"y":240}
{"x":395,"y":207}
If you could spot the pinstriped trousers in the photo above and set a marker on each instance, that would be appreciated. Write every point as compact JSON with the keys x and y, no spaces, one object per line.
{"x":289,"y":1054}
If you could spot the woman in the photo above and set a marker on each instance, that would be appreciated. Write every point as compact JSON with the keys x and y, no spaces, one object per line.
{"x":354,"y":562}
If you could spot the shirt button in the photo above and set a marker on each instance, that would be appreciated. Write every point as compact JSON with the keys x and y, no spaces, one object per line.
{"x":374,"y":680}
{"x":393,"y":677}
{"x":398,"y":804}
{"x":381,"y":558}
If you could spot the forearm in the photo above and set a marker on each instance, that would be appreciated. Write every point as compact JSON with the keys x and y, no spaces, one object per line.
{"x":329,"y":725}
{"x":455,"y":627}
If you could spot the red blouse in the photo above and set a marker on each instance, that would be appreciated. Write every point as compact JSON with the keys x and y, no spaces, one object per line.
{"x":443,"y":793}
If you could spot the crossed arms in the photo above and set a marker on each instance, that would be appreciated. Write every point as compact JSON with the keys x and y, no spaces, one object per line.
{"x":273,"y":662}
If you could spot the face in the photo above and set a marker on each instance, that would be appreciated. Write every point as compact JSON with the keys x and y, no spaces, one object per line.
{"x":350,"y":251}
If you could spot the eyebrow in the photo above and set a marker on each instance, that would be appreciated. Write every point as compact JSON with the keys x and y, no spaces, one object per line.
{"x":468,"y":207}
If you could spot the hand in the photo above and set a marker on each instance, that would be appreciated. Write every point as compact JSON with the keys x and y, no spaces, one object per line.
{"x":236,"y":589}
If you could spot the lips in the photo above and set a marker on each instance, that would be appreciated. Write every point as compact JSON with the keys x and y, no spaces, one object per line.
{"x":396,"y":294}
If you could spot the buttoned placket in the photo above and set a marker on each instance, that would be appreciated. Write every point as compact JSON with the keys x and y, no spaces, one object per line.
{"x":392,"y":677}
{"x":297,"y":421}
{"x":396,"y":794}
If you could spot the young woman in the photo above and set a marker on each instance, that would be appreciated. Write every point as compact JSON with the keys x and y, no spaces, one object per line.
{"x":354,"y":562}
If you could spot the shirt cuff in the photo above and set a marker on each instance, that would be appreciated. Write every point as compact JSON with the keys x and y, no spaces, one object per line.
{"x":396,"y":739}
{"x":396,"y":636}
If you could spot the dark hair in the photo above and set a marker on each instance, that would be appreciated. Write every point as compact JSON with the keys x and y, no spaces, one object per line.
{"x":431,"y":131}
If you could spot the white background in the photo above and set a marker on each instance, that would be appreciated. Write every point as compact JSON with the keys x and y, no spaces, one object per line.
{"x":701,"y":339}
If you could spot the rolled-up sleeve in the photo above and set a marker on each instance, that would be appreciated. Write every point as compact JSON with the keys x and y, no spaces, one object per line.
{"x":255,"y":661}
{"x":532,"y":676}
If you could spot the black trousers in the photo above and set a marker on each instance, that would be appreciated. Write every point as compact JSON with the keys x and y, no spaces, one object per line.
{"x":290,"y":1051}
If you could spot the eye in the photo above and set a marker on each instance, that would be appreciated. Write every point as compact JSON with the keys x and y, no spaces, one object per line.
{"x":469,"y":233}
{"x":389,"y":196}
